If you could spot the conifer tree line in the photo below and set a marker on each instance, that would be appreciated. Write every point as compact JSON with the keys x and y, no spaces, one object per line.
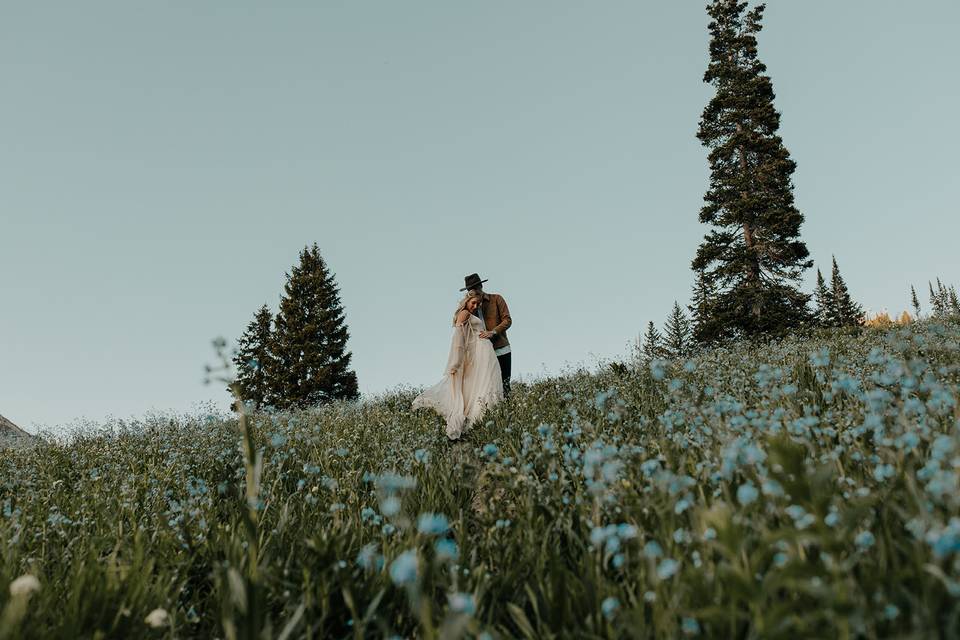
{"x":834,"y":306}
{"x":299,"y":358}
{"x":943,"y":300}
{"x":674,"y":343}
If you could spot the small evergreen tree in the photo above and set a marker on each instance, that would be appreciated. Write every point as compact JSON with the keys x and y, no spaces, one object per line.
{"x":753,"y":256}
{"x":915,"y":302}
{"x":652,"y":348}
{"x":254,"y":361}
{"x":310,"y":338}
{"x":824,"y":302}
{"x":677,"y":335}
{"x":954,"y":301}
{"x":938,"y":301}
{"x":702,"y":319}
{"x":846,"y":312}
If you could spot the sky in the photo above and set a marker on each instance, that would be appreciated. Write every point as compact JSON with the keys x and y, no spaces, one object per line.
{"x":163,"y":163}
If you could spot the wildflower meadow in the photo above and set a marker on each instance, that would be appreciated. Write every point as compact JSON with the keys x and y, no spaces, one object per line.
{"x":806,"y":488}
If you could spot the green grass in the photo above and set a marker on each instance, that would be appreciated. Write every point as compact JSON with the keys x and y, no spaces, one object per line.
{"x":802,"y":489}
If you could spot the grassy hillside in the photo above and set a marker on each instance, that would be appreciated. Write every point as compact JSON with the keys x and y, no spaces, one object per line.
{"x":803,"y":489}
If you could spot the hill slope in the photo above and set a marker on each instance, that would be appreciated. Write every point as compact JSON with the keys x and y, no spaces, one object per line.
{"x":7,"y":428}
{"x":807,"y":488}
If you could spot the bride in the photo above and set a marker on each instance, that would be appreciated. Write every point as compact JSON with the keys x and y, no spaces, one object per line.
{"x":472,"y":381}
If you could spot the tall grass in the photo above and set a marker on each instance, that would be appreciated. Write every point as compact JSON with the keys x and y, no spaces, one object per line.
{"x":807,"y":488}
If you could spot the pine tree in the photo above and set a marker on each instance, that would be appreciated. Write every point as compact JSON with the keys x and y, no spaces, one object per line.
{"x":753,"y":256}
{"x":953,"y":301}
{"x":310,"y":338}
{"x":915,"y":302}
{"x":701,"y":316}
{"x":652,"y":345}
{"x":937,"y":300}
{"x":824,"y":302}
{"x":846,"y":312}
{"x":254,"y":361}
{"x":677,"y":336}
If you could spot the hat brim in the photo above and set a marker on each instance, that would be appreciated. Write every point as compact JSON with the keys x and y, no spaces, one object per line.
{"x":474,"y":286}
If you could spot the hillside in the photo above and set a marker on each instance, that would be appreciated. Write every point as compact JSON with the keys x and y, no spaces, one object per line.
{"x":7,"y":429}
{"x":802,"y":489}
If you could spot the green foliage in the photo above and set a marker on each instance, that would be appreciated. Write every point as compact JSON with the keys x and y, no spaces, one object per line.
{"x":844,"y":312}
{"x":835,"y":307}
{"x":803,"y":489}
{"x":678,"y":339}
{"x":704,"y":325}
{"x":310,"y":364}
{"x":652,"y":347}
{"x":752,"y":258}
{"x":823,"y":298}
{"x":254,"y":359}
{"x":943,"y":300}
{"x":915,"y":302}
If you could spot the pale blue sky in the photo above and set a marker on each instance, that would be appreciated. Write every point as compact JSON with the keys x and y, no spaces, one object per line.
{"x":162,"y":163}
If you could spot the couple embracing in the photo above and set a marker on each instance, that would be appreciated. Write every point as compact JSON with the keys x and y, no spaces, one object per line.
{"x":478,"y":367}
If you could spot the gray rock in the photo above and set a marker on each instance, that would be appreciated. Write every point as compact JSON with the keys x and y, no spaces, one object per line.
{"x":8,"y":430}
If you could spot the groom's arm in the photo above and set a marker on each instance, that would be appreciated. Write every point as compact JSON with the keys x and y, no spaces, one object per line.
{"x":504,"y":313}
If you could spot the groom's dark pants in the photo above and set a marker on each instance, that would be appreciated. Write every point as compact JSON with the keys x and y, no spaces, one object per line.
{"x":504,"y":361}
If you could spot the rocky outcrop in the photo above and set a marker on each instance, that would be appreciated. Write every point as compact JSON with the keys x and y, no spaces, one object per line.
{"x":9,"y":429}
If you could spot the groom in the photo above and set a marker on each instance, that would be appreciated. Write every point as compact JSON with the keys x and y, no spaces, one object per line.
{"x":496,"y":318}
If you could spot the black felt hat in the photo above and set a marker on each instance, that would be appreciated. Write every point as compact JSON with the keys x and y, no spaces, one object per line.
{"x":472,"y":281}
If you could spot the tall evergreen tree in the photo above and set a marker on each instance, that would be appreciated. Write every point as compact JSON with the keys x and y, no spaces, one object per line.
{"x":753,"y":256}
{"x":652,"y":345}
{"x":846,"y":312}
{"x":678,"y":340}
{"x":254,"y":361}
{"x":915,"y":302}
{"x":824,"y":302}
{"x":310,"y":338}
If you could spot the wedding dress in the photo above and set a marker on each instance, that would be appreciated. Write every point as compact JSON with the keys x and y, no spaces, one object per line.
{"x":462,"y":397}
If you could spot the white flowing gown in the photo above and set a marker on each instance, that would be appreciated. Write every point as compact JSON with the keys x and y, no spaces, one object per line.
{"x":462,"y":397}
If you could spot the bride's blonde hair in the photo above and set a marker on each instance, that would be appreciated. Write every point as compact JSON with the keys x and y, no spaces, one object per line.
{"x":463,"y":304}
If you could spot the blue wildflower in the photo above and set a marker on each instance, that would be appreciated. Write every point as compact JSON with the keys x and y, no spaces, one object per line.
{"x":463,"y":603}
{"x":391,"y":506}
{"x":609,"y":607}
{"x":652,"y":550}
{"x":403,"y":570}
{"x":864,"y":540}
{"x":433,"y":523}
{"x":667,"y":568}
{"x":447,"y":549}
{"x":747,"y":494}
{"x":658,"y":368}
{"x":690,"y":626}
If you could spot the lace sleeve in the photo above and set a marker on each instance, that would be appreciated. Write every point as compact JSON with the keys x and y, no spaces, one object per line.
{"x":458,"y":346}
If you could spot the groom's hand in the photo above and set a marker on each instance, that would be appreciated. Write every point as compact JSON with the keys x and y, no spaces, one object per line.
{"x":486,"y":335}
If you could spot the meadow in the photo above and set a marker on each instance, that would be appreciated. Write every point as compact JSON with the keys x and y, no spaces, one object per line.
{"x":806,"y":488}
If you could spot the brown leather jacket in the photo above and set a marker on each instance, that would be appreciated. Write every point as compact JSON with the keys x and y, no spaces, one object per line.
{"x":496,"y":315}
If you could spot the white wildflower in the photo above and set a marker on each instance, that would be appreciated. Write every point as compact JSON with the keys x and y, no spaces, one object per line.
{"x":157,"y":618}
{"x":24,"y":585}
